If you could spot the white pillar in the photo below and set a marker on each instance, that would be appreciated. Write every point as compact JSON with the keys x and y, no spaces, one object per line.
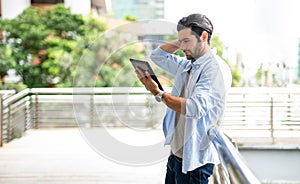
{"x":12,"y":8}
{"x":82,"y":7}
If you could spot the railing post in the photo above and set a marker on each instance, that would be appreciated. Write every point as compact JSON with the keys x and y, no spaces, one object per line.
{"x":289,"y":108}
{"x":92,"y":119}
{"x":36,"y":112}
{"x":1,"y":121}
{"x":27,"y":114}
{"x":272,"y":119}
{"x":9,"y":123}
{"x":244,"y":110}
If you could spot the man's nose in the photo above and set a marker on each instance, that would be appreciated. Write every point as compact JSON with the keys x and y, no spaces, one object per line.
{"x":182,"y":46}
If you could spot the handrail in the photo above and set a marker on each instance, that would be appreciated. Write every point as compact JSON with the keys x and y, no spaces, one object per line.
{"x":230,"y":157}
{"x":4,"y":94}
{"x":7,"y":93}
{"x":1,"y":120}
{"x":268,"y":110}
{"x":16,"y":97}
{"x":106,"y":90}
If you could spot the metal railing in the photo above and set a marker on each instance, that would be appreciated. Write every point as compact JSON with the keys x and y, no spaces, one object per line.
{"x":265,"y":114}
{"x":270,"y":110}
{"x":14,"y":112}
{"x":236,"y":169}
{"x":257,"y":112}
{"x":73,"y":107}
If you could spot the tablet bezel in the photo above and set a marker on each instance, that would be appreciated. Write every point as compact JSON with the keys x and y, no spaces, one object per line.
{"x":145,"y":66}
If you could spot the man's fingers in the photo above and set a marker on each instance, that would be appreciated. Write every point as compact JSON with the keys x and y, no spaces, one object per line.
{"x":147,"y":74}
{"x":139,"y":73}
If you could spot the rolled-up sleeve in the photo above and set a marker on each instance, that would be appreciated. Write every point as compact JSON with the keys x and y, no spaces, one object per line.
{"x":208,"y":96}
{"x":198,"y":106}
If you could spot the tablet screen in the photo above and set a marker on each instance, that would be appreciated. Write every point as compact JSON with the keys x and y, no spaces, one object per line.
{"x":145,"y":66}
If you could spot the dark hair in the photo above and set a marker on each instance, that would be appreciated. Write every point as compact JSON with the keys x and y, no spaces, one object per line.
{"x":198,"y":23}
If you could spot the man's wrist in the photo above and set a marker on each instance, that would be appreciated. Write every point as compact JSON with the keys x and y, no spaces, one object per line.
{"x":155,"y":92}
{"x":159,"y":96}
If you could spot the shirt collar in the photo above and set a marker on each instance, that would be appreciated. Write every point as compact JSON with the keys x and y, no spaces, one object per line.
{"x":196,"y":64}
{"x":203,"y":58}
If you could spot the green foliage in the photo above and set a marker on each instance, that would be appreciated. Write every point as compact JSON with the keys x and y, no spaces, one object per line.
{"x":105,"y":60}
{"x":42,"y":42}
{"x":220,"y":47}
{"x":103,"y":57}
{"x":258,"y":76}
{"x":122,"y":73}
{"x":56,"y":48}
{"x":6,"y":60}
{"x":217,"y":43}
{"x":93,"y":26}
{"x":180,"y":53}
{"x":9,"y":86}
{"x":62,"y":22}
{"x":130,"y":18}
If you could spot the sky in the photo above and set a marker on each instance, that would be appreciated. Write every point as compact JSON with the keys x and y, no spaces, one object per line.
{"x":262,"y":30}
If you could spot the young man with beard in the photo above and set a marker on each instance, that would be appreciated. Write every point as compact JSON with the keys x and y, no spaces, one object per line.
{"x":197,"y":100}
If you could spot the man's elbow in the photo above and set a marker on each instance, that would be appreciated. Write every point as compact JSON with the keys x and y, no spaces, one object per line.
{"x":194,"y":109}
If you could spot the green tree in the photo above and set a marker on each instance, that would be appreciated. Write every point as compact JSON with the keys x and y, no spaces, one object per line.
{"x":6,"y":62}
{"x":130,"y":18}
{"x":104,"y":59}
{"x":41,"y":43}
{"x":220,"y":47}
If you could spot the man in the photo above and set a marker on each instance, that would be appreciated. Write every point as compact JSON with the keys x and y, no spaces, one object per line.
{"x":196,"y":103}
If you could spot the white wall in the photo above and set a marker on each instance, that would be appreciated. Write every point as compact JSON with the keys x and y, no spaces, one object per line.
{"x":12,"y":8}
{"x":82,"y":7}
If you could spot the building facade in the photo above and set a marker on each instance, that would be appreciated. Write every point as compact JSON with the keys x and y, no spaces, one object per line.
{"x":140,"y":9}
{"x":119,"y":9}
{"x":11,"y":8}
{"x":299,"y":60}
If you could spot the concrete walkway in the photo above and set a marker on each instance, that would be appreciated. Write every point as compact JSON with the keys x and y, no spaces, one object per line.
{"x":62,"y":156}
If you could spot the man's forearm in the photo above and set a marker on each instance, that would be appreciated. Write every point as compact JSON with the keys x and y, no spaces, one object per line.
{"x":171,"y":46}
{"x":173,"y":102}
{"x":176,"y":103}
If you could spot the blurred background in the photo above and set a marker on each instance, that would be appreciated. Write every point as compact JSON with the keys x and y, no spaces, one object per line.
{"x":258,"y":39}
{"x":64,"y":65}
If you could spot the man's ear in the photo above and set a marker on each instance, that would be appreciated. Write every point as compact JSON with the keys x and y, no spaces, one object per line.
{"x":204,"y":36}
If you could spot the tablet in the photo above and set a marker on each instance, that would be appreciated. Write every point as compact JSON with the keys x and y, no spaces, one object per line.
{"x":145,"y":66}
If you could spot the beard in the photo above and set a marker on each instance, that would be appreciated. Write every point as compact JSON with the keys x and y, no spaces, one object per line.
{"x":195,"y":53}
{"x":192,"y":59}
{"x":189,"y":56}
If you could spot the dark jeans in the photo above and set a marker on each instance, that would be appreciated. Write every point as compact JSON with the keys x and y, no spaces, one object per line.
{"x":175,"y":176}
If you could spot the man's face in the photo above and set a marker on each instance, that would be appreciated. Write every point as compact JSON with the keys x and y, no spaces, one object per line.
{"x":190,"y":45}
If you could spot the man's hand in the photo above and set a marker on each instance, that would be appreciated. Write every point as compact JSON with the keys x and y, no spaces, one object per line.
{"x":147,"y":81}
{"x":171,"y":46}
